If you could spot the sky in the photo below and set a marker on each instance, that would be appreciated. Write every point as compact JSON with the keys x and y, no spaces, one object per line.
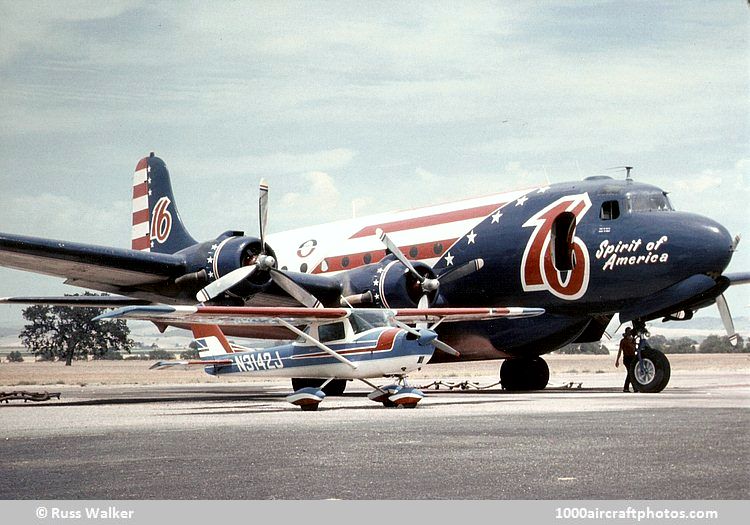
{"x":375,"y":106}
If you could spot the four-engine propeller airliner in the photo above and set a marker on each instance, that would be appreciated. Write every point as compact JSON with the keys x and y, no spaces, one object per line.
{"x":583,"y":251}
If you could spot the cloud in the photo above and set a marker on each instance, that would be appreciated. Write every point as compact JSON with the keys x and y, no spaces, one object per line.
{"x":65,"y":218}
{"x":317,"y":203}
{"x":277,"y":163}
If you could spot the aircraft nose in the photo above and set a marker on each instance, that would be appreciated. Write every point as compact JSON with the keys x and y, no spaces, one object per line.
{"x":716,"y":245}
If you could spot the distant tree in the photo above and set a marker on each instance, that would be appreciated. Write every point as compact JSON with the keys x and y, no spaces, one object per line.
{"x":112,"y":355}
{"x":158,"y":353}
{"x":683,"y":345}
{"x":191,"y":353}
{"x":57,"y":332}
{"x":584,"y":348}
{"x":658,"y":342}
{"x":714,"y":344}
{"x":15,"y":357}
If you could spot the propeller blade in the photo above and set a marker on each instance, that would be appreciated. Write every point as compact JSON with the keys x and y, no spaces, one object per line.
{"x":435,"y":342}
{"x":726,"y":318}
{"x":224,"y":283}
{"x":398,"y":253}
{"x":461,"y":271}
{"x":445,"y":348}
{"x":289,"y":286}
{"x":424,"y":302}
{"x":263,"y":213}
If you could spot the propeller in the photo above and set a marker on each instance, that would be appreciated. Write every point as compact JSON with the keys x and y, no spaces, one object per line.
{"x":429,"y":284}
{"x":726,"y":319}
{"x":428,"y":336}
{"x":263,"y":263}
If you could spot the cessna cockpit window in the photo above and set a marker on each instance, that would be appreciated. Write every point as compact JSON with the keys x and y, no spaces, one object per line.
{"x":331,"y":332}
{"x":647,"y":201}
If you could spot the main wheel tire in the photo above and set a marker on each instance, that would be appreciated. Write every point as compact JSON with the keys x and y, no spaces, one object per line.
{"x":524,"y":373}
{"x":334,"y":388}
{"x":651,"y":373}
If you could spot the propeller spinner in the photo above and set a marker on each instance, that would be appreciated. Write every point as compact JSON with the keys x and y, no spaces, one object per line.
{"x":262,"y":263}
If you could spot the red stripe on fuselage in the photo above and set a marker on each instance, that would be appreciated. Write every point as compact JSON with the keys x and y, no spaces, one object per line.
{"x":430,"y":220}
{"x":425,"y":250}
{"x":142,"y":164}
{"x":383,"y":344}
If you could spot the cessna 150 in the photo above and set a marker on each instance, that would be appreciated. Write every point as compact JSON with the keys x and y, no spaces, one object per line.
{"x":338,"y":344}
{"x":583,"y":251}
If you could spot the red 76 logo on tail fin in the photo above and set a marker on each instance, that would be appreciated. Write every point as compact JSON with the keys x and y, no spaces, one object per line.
{"x":538,"y":271}
{"x":161,"y":221}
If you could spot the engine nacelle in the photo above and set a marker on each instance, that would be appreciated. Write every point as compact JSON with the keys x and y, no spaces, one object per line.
{"x":231,"y":250}
{"x":385,"y":284}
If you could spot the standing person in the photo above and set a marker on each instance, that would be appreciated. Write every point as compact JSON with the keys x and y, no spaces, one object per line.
{"x":627,"y":349}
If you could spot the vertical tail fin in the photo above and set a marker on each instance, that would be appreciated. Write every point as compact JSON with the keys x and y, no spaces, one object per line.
{"x":211,"y":340}
{"x":157,"y":226}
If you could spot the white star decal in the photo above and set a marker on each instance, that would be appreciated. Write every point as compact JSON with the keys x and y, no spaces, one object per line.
{"x":376,"y":282}
{"x":380,"y":270}
{"x":149,"y":179}
{"x":448,"y":259}
{"x":210,"y":260}
{"x":211,"y":275}
{"x":522,"y":200}
{"x":496,"y":217}
{"x":152,"y":244}
{"x":543,"y":190}
{"x":471,"y":237}
{"x":148,"y":170}
{"x":377,"y":297}
{"x":149,"y":193}
{"x":214,"y":246}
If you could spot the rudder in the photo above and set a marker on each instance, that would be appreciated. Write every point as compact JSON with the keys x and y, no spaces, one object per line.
{"x":157,"y":226}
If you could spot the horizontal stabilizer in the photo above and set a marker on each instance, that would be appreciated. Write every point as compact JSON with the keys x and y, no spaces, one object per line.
{"x":89,"y":301}
{"x":186,"y":365}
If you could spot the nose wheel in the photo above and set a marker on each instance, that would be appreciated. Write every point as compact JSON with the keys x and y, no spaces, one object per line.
{"x":649,"y":373}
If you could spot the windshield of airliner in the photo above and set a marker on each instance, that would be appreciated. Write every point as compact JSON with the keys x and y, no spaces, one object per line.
{"x":647,"y":201}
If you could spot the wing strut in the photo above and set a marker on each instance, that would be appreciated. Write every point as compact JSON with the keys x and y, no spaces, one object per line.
{"x":311,"y":339}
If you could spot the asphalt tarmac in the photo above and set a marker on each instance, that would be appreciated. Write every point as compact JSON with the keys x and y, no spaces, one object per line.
{"x":239,"y":441}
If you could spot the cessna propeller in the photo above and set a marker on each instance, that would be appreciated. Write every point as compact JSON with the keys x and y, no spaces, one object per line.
{"x":263,"y":263}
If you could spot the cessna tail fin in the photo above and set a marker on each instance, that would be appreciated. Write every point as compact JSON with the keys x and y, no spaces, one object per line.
{"x":210,"y":340}
{"x":157,"y":226}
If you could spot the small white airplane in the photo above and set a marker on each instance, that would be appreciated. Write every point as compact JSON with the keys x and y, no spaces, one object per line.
{"x":334,"y":344}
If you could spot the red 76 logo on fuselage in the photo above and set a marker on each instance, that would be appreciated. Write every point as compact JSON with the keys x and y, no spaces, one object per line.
{"x":538,"y":271}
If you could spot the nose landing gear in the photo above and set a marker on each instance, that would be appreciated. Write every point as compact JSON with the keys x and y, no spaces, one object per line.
{"x":649,"y":373}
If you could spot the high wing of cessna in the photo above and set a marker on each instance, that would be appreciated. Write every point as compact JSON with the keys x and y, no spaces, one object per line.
{"x":336,"y":344}
{"x":583,"y":251}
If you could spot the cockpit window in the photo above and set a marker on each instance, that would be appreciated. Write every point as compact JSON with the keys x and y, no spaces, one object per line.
{"x":331,"y":332}
{"x":610,"y":210}
{"x":364,"y":320}
{"x":648,"y":201}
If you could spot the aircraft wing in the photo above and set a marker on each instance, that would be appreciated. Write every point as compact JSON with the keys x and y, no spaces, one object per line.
{"x":270,"y":316}
{"x":88,"y":265}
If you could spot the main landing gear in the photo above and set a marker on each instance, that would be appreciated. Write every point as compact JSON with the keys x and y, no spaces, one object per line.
{"x":524,"y":373}
{"x":309,"y":393}
{"x":651,"y":371}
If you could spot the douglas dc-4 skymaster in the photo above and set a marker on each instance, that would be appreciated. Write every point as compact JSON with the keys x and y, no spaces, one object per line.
{"x":583,"y":251}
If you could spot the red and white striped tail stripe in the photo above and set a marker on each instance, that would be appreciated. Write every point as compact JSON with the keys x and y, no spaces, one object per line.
{"x":140,"y":234}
